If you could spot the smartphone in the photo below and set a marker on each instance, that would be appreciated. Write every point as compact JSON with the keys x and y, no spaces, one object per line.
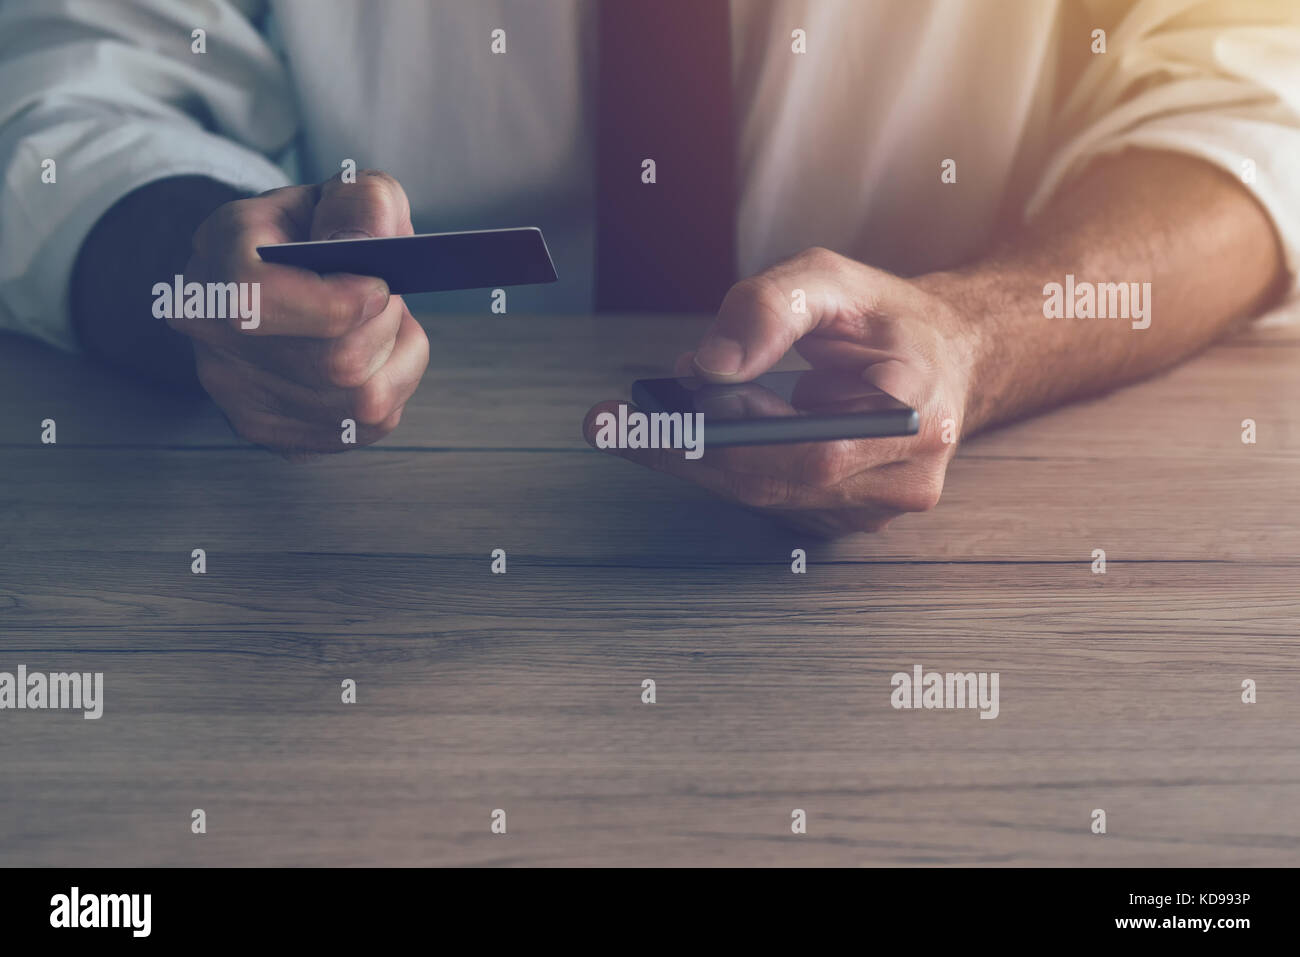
{"x":430,"y":262}
{"x":816,"y":405}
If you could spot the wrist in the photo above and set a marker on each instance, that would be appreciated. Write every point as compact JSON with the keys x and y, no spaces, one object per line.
{"x":962,"y":316}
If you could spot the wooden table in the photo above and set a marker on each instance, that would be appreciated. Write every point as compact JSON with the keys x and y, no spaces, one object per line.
{"x":523,"y":691}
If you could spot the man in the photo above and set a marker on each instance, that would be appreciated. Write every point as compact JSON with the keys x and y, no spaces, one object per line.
{"x":986,"y":150}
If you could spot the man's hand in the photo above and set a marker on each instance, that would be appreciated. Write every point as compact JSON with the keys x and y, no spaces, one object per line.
{"x":973,"y":345}
{"x":905,"y":341}
{"x":326,"y":348}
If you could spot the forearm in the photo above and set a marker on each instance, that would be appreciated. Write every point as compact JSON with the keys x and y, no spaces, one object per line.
{"x":143,"y":239}
{"x":1189,"y":229}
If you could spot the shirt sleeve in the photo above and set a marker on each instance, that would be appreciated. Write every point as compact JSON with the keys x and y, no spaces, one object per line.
{"x":1217,"y":79}
{"x":115,"y":95}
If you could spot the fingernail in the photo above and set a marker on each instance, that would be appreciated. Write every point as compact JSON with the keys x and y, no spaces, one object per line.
{"x":348,"y":234}
{"x":376,"y":301}
{"x":720,"y":356}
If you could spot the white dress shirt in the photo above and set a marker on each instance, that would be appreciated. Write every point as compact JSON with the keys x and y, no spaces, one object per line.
{"x":840,"y":146}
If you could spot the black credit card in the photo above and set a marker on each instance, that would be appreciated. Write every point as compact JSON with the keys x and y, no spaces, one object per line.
{"x":431,"y":262}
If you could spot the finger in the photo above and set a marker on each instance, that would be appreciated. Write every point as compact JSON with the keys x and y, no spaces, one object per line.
{"x":763,"y":316}
{"x":282,"y":301}
{"x":825,"y":513}
{"x":762,"y":469}
{"x":819,"y":464}
{"x":255,"y":406}
{"x":899,"y":379}
{"x":827,"y":392}
{"x":911,"y":485}
{"x":824,"y":352}
{"x":801,"y":466}
{"x":671,"y":461}
{"x":300,"y":441}
{"x":396,"y":381}
{"x":849,"y":473}
{"x":279,"y":216}
{"x":880,"y":368}
{"x":273,"y":299}
{"x":875,"y":369}
{"x":353,"y":358}
{"x":815,"y":291}
{"x":345,"y":362}
{"x":756,"y":476}
{"x":369,"y":403}
{"x":374,"y":205}
{"x":754,"y":328}
{"x":904,"y":384}
{"x":833,"y":523}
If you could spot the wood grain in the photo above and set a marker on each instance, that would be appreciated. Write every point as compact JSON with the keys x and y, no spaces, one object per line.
{"x":526,"y":383}
{"x":522,"y":692}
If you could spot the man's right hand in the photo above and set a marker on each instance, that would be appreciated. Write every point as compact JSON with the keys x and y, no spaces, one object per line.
{"x":326,"y":348}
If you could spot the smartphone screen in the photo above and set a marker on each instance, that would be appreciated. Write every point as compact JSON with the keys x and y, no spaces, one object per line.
{"x":814,"y":405}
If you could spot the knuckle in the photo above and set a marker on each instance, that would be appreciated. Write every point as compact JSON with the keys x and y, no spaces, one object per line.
{"x":268,"y":316}
{"x":759,"y":492}
{"x":892,"y":333}
{"x":373,"y":193}
{"x":821,"y":468}
{"x":377,"y":177}
{"x":346,"y":367}
{"x":214,"y":233}
{"x":920,"y":495}
{"x":388,"y":184}
{"x":757,"y":293}
{"x":239,"y":214}
{"x":252,"y":428}
{"x":220,"y":220}
{"x":820,"y":258}
{"x":383,"y":192}
{"x":339,"y":316}
{"x":422,"y":345}
{"x":385,"y":426}
{"x":372,"y":402}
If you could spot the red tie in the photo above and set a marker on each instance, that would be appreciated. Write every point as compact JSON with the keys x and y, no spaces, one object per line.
{"x":664,"y":94}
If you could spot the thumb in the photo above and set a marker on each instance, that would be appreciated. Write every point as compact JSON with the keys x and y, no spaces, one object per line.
{"x":374,"y":205}
{"x":763,"y":316}
{"x":816,"y":291}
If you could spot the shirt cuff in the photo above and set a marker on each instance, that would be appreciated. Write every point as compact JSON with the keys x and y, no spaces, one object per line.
{"x":106,"y":163}
{"x":1263,"y":156}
